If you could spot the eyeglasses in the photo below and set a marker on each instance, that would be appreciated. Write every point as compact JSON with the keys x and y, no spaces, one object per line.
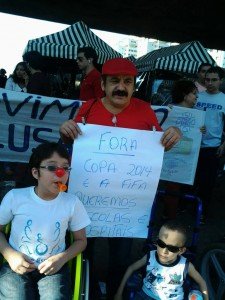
{"x":55,"y":168}
{"x":173,"y":249}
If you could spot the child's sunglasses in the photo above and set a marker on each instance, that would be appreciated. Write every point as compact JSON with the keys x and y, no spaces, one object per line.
{"x":173,"y":249}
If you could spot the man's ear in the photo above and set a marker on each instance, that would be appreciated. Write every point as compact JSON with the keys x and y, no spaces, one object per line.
{"x":102,"y":85}
{"x":35,"y":173}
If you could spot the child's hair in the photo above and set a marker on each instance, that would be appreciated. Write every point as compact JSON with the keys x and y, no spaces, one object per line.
{"x":176,"y":225}
{"x":45,"y":151}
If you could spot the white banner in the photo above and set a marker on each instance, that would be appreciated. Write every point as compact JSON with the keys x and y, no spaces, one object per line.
{"x":115,"y":173}
{"x":27,"y":120}
{"x":179,"y":164}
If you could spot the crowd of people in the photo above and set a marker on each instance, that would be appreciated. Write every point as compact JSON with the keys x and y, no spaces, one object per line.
{"x":36,"y":255}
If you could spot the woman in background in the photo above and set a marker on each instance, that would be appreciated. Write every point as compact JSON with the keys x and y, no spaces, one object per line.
{"x":184,"y":94}
{"x":18,"y":80}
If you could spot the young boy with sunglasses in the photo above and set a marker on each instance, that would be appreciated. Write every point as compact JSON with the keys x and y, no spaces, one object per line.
{"x":36,"y":255}
{"x":165,"y":268}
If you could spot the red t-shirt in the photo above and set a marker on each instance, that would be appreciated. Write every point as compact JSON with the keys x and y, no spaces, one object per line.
{"x":137,"y":115}
{"x":91,"y":86}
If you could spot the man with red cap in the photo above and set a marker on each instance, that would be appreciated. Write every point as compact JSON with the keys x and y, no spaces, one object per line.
{"x":118,"y":108}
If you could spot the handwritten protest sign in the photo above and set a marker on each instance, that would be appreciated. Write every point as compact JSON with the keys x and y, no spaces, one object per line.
{"x":115,"y":173}
{"x":27,"y":120}
{"x":179,"y":164}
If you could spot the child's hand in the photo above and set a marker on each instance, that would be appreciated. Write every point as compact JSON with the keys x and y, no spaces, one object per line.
{"x":20,"y":263}
{"x":203,"y":129}
{"x":52,"y":265}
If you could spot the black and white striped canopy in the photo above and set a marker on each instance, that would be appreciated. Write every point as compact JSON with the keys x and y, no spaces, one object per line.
{"x":64,"y":44}
{"x":185,"y":58}
{"x":131,"y":58}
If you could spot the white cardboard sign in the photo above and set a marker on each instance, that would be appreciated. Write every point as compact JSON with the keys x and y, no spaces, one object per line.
{"x":115,"y":173}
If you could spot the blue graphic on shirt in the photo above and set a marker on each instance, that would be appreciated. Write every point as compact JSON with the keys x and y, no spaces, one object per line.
{"x":172,"y":296}
{"x":37,"y":245}
{"x":57,"y":231}
{"x":27,"y":229}
{"x":153,"y":277}
{"x":175,"y":279}
{"x":55,"y":248}
{"x":212,"y":106}
{"x":26,"y":239}
{"x":41,"y":248}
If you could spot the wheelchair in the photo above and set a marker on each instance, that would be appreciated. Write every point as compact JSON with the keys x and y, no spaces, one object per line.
{"x":79,"y":270}
{"x":135,"y":282}
{"x":212,"y":269}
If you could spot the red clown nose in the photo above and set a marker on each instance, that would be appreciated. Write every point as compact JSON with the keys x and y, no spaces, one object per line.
{"x":60,"y":172}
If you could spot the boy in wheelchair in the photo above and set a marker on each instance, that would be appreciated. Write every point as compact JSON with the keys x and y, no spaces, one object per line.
{"x":166,"y":268}
{"x":36,"y":255}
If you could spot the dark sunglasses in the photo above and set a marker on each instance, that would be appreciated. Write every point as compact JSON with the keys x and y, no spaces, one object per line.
{"x":54,"y":168}
{"x":173,"y":249}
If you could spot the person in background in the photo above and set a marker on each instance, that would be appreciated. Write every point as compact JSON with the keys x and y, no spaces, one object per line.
{"x":184,"y":94}
{"x":17,"y":82}
{"x":212,"y":146}
{"x":120,"y":109}
{"x":3,"y":78}
{"x":200,"y":82}
{"x":166,"y":268}
{"x":90,"y":87}
{"x":39,"y":82}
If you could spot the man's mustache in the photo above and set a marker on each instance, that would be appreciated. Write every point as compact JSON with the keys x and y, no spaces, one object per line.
{"x":120,"y":93}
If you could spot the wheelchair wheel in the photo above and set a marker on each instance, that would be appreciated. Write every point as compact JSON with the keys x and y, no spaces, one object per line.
{"x":212,"y":269}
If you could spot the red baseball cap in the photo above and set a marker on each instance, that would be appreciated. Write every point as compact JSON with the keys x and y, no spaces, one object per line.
{"x":119,"y":66}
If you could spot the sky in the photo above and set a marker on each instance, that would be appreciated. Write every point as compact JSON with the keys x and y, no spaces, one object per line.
{"x":16,"y":31}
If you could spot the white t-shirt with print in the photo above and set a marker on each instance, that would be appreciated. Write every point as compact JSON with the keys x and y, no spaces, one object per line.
{"x":163,"y":282}
{"x":38,"y":227}
{"x":214,"y":105}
